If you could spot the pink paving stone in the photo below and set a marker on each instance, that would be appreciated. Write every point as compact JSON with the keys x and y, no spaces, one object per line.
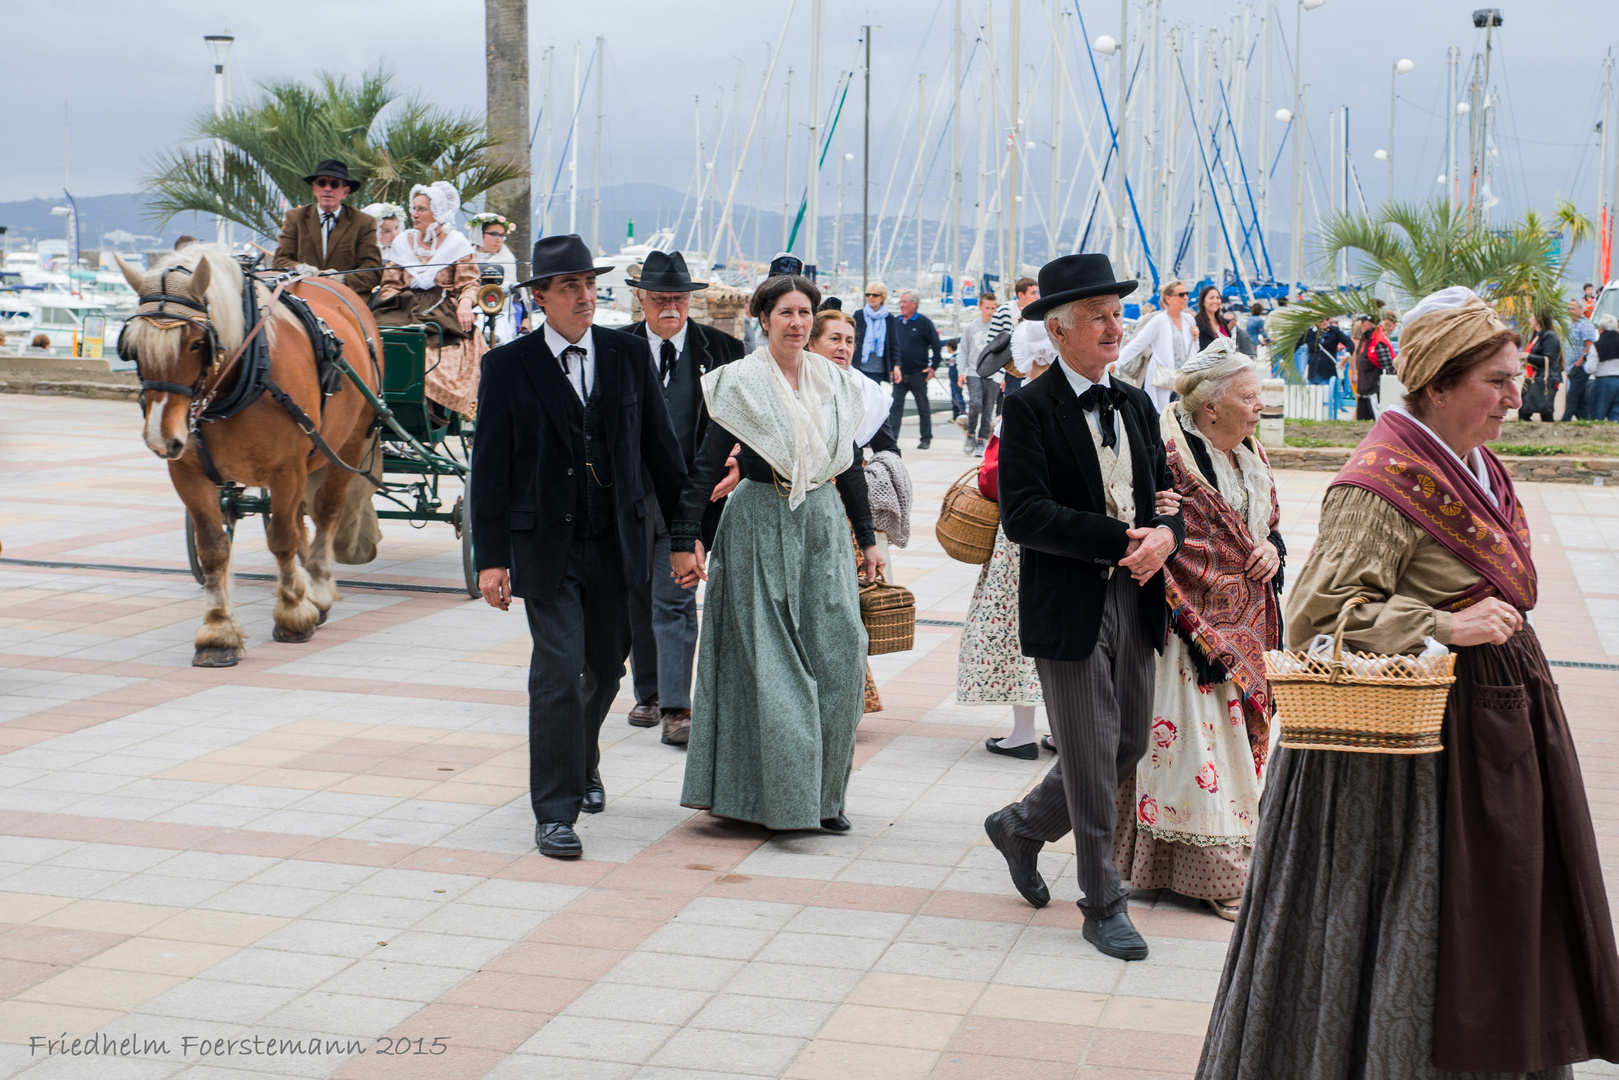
{"x":556,"y":871}
{"x":594,"y":931}
{"x":455,"y":861}
{"x":965,"y":905}
{"x":636,"y":875}
{"x":962,"y":1066}
{"x":994,"y":1035}
{"x":1178,"y":923}
{"x":69,"y":827}
{"x":53,"y":945}
{"x":247,"y":842}
{"x":12,"y":820}
{"x":1145,"y":1050}
{"x":850,"y":895}
{"x":1108,"y":1072}
{"x":630,"y":903}
{"x":357,"y":852}
{"x":162,"y":835}
{"x":15,"y":738}
{"x":557,"y":961}
{"x":18,"y":975}
{"x":473,"y":1025}
{"x":770,"y":889}
{"x":1064,"y":915}
{"x":456,"y":1063}
{"x":512,"y":990}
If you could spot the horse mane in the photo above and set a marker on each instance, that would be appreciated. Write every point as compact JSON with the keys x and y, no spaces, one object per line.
{"x":223,"y":296}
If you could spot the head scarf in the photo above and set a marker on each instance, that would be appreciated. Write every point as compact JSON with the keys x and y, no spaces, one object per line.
{"x":1442,"y":325}
{"x":1218,"y":351}
{"x":1031,"y":347}
{"x":381,"y":210}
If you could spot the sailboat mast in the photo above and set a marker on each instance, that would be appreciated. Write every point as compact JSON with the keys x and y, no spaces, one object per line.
{"x":596,"y":184}
{"x":550,"y":125}
{"x":865,"y":179}
{"x":921,"y":173}
{"x":1122,"y":166}
{"x":573,"y":143}
{"x":955,"y":160}
{"x":837,"y":217}
{"x":1055,"y":224}
{"x":702,"y":173}
{"x":1014,"y":262}
{"x":787,"y":165}
{"x":813,"y":202}
{"x":1451,"y":182}
{"x":1603,"y":249}
{"x":1264,"y":124}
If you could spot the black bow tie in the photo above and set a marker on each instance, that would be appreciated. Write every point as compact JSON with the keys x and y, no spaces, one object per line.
{"x":667,"y":358}
{"x":1104,"y":399}
{"x":566,"y":370}
{"x":327,"y":217}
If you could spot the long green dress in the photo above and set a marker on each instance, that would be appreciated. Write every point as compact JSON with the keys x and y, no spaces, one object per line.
{"x":781,"y":659}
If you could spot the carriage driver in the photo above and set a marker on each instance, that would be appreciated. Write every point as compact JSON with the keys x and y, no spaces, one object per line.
{"x":326,"y":235}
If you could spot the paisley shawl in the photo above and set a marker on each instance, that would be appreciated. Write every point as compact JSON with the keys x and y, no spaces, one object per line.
{"x":1228,"y":619}
{"x":1402,"y":463}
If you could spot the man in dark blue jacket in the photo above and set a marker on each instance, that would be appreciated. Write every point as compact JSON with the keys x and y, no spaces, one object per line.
{"x":876,"y":335}
{"x":919,"y":354}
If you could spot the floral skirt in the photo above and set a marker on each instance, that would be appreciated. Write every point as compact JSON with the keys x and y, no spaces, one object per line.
{"x":991,"y":668}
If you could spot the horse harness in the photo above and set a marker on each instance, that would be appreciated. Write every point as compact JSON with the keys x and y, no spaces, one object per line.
{"x":209,"y":405}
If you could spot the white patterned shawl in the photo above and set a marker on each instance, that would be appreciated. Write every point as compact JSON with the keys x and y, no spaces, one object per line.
{"x":808,"y":436}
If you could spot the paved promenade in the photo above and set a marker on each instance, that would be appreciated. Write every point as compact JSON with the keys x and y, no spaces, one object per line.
{"x":327,"y":850}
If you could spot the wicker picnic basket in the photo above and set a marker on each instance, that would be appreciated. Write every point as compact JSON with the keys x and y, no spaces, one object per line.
{"x":889,"y":612}
{"x":967,"y":522}
{"x":1364,"y":702}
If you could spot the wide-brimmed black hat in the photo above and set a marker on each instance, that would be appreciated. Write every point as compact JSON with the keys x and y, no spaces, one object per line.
{"x":561,"y":254}
{"x":665,"y":271}
{"x":1076,"y":277}
{"x":337,"y":170}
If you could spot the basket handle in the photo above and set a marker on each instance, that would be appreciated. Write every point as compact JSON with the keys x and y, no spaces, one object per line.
{"x":963,"y":477}
{"x":1338,"y":636}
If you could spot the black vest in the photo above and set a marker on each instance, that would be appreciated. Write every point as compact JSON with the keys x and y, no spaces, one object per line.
{"x":684,"y":396}
{"x":593,"y":494}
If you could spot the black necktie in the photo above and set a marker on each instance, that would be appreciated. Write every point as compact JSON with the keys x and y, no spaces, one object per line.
{"x":1103,"y":399}
{"x":666,"y":360}
{"x":566,"y":370}
{"x":326,"y":220}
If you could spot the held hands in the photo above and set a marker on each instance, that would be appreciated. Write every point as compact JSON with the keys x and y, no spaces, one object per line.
{"x":1148,"y":550}
{"x":496,"y":586}
{"x":1167,"y":503}
{"x":1488,"y":622}
{"x":689,"y":567}
{"x":1264,"y":562}
{"x":874,"y":563}
{"x":732,"y":477}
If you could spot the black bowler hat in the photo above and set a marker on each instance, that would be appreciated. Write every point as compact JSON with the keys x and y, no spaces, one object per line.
{"x":831,"y":303}
{"x":337,"y":170}
{"x":665,"y":271}
{"x":1076,"y":277}
{"x":561,"y":254}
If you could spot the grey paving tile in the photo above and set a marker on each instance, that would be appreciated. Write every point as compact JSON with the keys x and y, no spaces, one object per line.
{"x":822,"y":950}
{"x":537,"y":1066}
{"x":638,"y":1003}
{"x":695,"y":939}
{"x":675,"y":971}
{"x":940,"y":961}
{"x":351,"y":1015}
{"x":695,"y":1048}
{"x":602,"y":1040}
{"x":746,"y":914}
{"x":764,"y":1015}
{"x":796,"y":981}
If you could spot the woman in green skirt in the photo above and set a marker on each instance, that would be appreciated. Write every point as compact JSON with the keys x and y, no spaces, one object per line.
{"x":781,"y":661}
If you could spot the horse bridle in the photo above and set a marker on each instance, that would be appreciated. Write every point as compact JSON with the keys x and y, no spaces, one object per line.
{"x":162,"y":298}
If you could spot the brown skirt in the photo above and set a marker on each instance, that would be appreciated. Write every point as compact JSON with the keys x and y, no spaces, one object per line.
{"x":1353,"y":958}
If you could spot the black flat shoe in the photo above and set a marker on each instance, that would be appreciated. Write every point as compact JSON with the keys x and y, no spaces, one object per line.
{"x":1116,"y":936}
{"x":1024,"y":864}
{"x":595,"y":795}
{"x":837,"y":824}
{"x":558,"y":840}
{"x":1046,"y":743}
{"x":1028,"y":751}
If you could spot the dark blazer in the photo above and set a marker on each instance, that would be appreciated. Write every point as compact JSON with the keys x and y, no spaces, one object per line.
{"x":523,"y":471}
{"x":1053,"y":505}
{"x":890,"y":344}
{"x":712,"y":348}
{"x":352,"y":245}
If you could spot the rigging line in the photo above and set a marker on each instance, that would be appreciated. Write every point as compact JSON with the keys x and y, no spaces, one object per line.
{"x":1146,"y":246}
{"x":1219,"y":212}
{"x":572,"y":124}
{"x":826,"y":144}
{"x":1252,"y":206}
{"x":1427,"y":132}
{"x":1512,"y":111}
{"x":1107,"y":162}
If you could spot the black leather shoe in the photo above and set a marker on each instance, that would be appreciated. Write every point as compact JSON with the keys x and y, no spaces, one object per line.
{"x":924,"y":444}
{"x":1028,"y":751}
{"x":1116,"y":936}
{"x":1023,"y":863}
{"x":595,"y":795}
{"x":836,"y":824}
{"x":558,"y":840}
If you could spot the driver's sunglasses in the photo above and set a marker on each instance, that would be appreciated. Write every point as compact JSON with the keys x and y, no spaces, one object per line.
{"x":328,"y":182}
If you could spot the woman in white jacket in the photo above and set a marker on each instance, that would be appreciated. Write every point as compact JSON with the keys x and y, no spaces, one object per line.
{"x":1169,"y":348}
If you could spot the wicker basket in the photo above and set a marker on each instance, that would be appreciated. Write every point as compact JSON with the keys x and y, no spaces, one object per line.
{"x":1326,"y":705}
{"x":889,"y":612}
{"x":967,"y":522}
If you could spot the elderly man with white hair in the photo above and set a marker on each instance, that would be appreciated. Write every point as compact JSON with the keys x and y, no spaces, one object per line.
{"x":1082,"y":463}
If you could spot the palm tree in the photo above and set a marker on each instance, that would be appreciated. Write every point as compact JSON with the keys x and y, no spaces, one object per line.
{"x":390,"y":143}
{"x":1422,"y":248}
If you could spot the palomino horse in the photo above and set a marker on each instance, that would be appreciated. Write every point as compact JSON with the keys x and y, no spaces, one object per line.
{"x":187,"y":343}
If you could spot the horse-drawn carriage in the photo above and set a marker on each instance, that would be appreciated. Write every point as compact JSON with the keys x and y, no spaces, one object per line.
{"x":416,"y":449}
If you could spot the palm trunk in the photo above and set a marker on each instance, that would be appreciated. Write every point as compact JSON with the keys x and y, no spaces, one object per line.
{"x":506,"y":41}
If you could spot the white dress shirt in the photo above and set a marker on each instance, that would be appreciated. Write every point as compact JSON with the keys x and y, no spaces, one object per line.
{"x":325,"y":226}
{"x":656,"y":342}
{"x":581,"y":376}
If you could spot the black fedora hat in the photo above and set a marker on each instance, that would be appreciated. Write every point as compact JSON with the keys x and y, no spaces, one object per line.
{"x":665,"y":271}
{"x":1076,"y":277}
{"x":563,"y":253}
{"x":337,"y":170}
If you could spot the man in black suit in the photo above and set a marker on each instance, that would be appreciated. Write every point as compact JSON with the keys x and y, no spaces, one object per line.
{"x":1079,"y":478}
{"x":567,"y":419}
{"x":876,"y":336}
{"x":663,"y":616}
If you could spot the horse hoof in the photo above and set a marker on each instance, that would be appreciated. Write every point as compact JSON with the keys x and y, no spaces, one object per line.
{"x":322,"y":620}
{"x":214,"y":656}
{"x":292,"y":637}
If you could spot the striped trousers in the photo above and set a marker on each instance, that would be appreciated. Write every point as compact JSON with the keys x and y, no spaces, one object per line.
{"x":1100,"y":709}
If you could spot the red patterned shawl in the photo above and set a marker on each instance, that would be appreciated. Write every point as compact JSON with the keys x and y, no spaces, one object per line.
{"x":1229,"y":619}
{"x":1402,"y":463}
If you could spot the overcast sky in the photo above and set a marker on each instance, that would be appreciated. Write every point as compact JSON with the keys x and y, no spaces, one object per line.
{"x":133,"y":75}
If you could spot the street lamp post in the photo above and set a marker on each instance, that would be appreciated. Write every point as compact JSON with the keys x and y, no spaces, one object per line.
{"x":219,"y":49}
{"x":1401,"y":67}
{"x":1296,"y":241}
